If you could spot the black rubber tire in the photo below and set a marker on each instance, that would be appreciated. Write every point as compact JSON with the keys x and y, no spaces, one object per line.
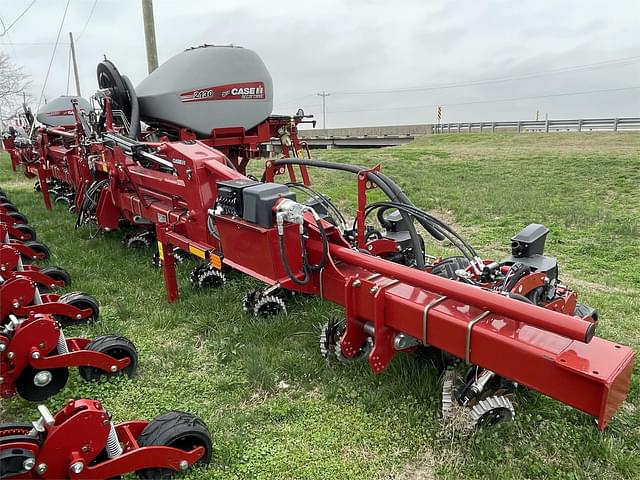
{"x":28,"y":229}
{"x":115,"y":346}
{"x":82,"y":301}
{"x":448,"y":266}
{"x":38,"y":247}
{"x":176,"y":429}
{"x":583,"y":310}
{"x":8,"y":207}
{"x":29,"y":391}
{"x":57,"y":273}
{"x":18,"y":217}
{"x":36,"y":186}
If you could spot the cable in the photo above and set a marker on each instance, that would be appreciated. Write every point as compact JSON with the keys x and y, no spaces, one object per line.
{"x":322,"y":199}
{"x":95,"y":2}
{"x":53,"y":54}
{"x":507,"y":78}
{"x":498,"y":100}
{"x":6,"y":29}
{"x":31,"y":44}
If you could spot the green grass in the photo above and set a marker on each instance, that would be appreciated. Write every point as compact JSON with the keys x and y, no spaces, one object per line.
{"x":333,"y":422}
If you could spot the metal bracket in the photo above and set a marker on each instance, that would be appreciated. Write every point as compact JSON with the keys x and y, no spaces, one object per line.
{"x":425,"y":315}
{"x":470,"y":325}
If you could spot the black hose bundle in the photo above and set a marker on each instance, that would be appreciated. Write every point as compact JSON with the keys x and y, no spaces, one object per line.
{"x":388,"y":186}
{"x":321,"y":199}
{"x":436,"y":224}
{"x":90,"y":200}
{"x":307,"y":268}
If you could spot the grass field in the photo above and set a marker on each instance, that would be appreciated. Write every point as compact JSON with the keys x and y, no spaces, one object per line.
{"x":206,"y":356}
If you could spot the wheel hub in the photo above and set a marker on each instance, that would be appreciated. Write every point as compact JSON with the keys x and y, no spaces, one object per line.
{"x":42,"y":379}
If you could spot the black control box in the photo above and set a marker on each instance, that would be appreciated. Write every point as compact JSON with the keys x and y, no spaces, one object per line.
{"x":229,"y":200}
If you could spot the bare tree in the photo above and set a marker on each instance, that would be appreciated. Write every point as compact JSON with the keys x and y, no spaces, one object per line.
{"x":14,"y":85}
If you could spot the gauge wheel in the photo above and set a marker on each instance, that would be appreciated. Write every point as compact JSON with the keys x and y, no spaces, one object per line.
{"x":115,"y":346}
{"x":179,"y":430}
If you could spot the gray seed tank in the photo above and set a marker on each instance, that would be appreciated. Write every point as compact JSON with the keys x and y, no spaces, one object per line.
{"x":59,"y":111}
{"x":208,"y":87}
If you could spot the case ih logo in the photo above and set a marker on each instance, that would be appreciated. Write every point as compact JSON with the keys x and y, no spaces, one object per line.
{"x":60,"y":113}
{"x":234,"y":91}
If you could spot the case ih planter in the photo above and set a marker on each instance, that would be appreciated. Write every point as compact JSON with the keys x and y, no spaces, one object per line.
{"x":81,"y":441}
{"x":512,"y":321}
{"x":36,"y":357}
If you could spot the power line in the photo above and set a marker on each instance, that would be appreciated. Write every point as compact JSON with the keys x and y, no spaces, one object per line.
{"x":32,"y":43}
{"x":499,"y":100}
{"x":53,"y":54}
{"x":10,"y":42}
{"x":291,"y":101}
{"x":557,"y":71}
{"x":6,"y":29}
{"x":93,"y":7}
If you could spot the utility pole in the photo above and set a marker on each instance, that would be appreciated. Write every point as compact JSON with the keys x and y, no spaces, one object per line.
{"x":324,"y":96}
{"x":150,"y":35}
{"x":75,"y":65}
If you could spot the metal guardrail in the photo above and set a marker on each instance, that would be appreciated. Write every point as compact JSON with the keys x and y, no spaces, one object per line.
{"x":571,"y":125}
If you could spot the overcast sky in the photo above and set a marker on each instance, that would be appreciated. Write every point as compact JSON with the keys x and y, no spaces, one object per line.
{"x":353,"y":46}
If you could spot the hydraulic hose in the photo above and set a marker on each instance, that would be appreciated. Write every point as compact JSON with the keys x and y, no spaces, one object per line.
{"x":437,"y":223}
{"x":382,"y":182}
{"x":283,"y":255}
{"x":307,"y":267}
{"x":446,"y":234}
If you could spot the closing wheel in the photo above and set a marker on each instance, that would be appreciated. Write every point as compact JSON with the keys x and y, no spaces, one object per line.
{"x":269,"y":306}
{"x":79,"y":300}
{"x":18,"y":217}
{"x":492,"y":411}
{"x":330,"y":335}
{"x":204,"y":276}
{"x":26,"y":229}
{"x":39,"y":248}
{"x":38,"y":385}
{"x":57,"y":274}
{"x":63,"y":200}
{"x":179,"y":430}
{"x":137,"y":240}
{"x":116,"y":347}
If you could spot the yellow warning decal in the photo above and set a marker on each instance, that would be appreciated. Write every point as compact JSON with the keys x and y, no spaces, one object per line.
{"x":160,"y":251}
{"x":196,"y":251}
{"x":215,"y":261}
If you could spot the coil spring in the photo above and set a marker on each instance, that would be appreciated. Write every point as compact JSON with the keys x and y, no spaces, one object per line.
{"x":62,"y":343}
{"x":114,"y":449}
